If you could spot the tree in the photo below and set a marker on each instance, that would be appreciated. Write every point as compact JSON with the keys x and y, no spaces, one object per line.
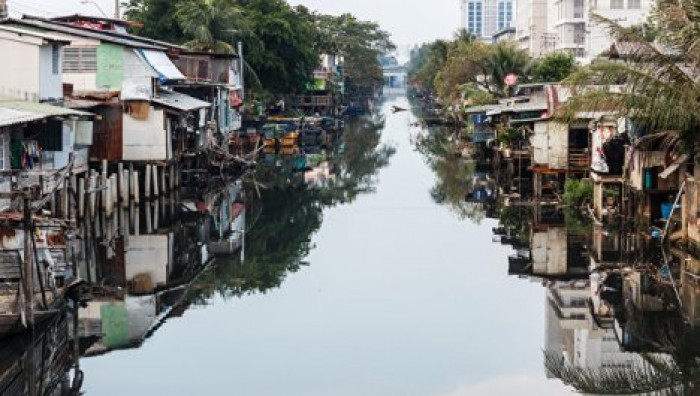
{"x":554,"y":67}
{"x":279,"y":45}
{"x":660,"y":91}
{"x":210,"y":24}
{"x":362,"y":45}
{"x":158,"y":18}
{"x":504,"y":60}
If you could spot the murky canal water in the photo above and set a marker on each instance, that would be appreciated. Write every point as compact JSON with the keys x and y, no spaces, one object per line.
{"x":397,"y":296}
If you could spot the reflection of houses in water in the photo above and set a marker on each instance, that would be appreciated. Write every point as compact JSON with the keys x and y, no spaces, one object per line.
{"x":143,"y":276}
{"x":40,"y":363}
{"x":572,"y":333}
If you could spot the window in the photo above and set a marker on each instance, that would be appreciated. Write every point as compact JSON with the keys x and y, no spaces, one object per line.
{"x":505,"y":14}
{"x":80,"y":60}
{"x":474,"y":17}
{"x":617,"y":4}
{"x":634,"y":4}
{"x":55,"y":59}
{"x":578,"y":8}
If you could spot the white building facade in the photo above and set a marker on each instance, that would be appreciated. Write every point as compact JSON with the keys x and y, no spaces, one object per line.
{"x":547,"y":26}
{"x":484,"y":18}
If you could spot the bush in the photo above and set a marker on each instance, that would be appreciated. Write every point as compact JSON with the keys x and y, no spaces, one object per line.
{"x":578,"y":192}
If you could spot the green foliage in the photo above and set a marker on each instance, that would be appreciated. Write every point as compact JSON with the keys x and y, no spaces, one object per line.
{"x":282,"y":43}
{"x":505,"y":59}
{"x":158,"y":19}
{"x":578,"y":192}
{"x":208,"y":24}
{"x":279,"y":45}
{"x":663,"y":92}
{"x":553,"y":67}
{"x":509,"y":137}
{"x":362,"y":44}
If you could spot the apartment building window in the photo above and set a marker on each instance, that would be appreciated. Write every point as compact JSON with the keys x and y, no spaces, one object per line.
{"x":617,"y":4}
{"x":634,"y":4}
{"x":505,"y":14}
{"x":80,"y":60}
{"x":578,"y":8}
{"x":474,"y":17}
{"x":579,"y":34}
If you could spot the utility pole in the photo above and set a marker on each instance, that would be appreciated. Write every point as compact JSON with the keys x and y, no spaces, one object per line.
{"x":117,"y":13}
{"x":4,"y":13}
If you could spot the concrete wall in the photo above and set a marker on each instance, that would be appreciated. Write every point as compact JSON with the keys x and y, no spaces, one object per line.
{"x":138,"y":77}
{"x":551,"y":145}
{"x":148,"y":254}
{"x":19,"y":73}
{"x":146,"y":139}
{"x":50,"y":77}
{"x":549,"y":252}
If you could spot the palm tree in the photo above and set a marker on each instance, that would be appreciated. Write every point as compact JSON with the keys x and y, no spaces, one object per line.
{"x":504,"y":60}
{"x":210,"y":24}
{"x":658,"y":88}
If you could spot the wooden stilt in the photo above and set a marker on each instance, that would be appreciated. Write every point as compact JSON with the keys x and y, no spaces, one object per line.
{"x":154,"y":172}
{"x":163,"y":186}
{"x":120,"y":180}
{"x":135,"y":187}
{"x":124,"y":186}
{"x":64,"y":199}
{"x":81,"y":197}
{"x":147,"y":179}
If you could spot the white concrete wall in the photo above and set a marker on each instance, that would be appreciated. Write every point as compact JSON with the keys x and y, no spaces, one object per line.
{"x":19,"y":73}
{"x":145,"y":140}
{"x":50,"y":83}
{"x":148,"y":254}
{"x":138,"y":77}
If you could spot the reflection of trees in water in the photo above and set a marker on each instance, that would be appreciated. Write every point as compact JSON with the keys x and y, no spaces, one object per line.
{"x":288,"y":212}
{"x":455,"y":175}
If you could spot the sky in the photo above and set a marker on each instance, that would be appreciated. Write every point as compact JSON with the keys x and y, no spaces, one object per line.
{"x":409,"y":21}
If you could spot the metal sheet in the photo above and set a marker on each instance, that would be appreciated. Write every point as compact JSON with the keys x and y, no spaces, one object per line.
{"x":162,"y":65}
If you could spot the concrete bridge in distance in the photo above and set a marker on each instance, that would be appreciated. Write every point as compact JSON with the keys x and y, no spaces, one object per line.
{"x":395,"y":78}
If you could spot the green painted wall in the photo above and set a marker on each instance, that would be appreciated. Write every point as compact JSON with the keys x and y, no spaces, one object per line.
{"x":115,"y":325}
{"x":110,"y":67}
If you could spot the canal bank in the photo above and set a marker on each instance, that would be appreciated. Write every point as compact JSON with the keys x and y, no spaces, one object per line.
{"x":400,"y":297}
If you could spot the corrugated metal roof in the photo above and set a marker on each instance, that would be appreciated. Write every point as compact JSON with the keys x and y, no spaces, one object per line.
{"x":179,"y":101}
{"x":80,"y":32}
{"x":160,"y":62}
{"x":33,"y":33}
{"x":10,"y":117}
{"x":45,"y":110}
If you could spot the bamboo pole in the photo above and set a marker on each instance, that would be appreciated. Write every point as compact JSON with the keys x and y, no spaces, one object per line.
{"x":124,"y":186}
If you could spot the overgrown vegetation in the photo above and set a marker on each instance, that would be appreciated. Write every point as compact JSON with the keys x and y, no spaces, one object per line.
{"x":578,"y":192}
{"x":282,"y":43}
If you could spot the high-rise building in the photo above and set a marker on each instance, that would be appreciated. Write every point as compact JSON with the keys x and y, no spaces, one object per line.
{"x":484,"y":18}
{"x":546,"y":26}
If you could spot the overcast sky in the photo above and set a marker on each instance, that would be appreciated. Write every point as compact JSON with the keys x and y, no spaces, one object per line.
{"x":409,"y":21}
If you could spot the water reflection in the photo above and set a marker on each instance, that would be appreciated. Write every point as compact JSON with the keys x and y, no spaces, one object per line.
{"x":622,"y":314}
{"x":150,"y":262}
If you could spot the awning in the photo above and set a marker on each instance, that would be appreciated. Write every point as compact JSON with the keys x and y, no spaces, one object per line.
{"x":13,"y":112}
{"x":178,"y":101}
{"x":160,"y":62}
{"x":674,"y":166}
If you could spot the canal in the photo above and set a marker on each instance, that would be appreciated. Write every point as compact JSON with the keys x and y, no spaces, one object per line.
{"x":374,"y":288}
